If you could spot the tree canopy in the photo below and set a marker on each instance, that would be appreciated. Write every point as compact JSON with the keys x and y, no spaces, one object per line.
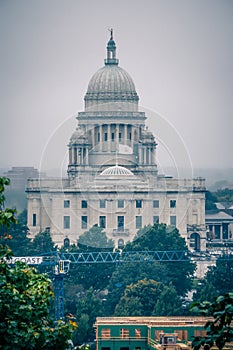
{"x":25,"y":298}
{"x":219,"y":330}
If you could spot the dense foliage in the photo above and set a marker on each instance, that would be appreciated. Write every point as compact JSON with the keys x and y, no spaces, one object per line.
{"x":25,"y":297}
{"x":219,"y":329}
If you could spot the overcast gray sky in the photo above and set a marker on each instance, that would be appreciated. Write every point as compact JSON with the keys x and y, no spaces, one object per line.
{"x":178,"y":52}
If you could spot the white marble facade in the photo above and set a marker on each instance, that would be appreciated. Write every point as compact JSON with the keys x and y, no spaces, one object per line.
{"x":112,"y":173}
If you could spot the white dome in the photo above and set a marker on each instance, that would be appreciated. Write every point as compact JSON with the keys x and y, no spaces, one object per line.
{"x":117,"y":170}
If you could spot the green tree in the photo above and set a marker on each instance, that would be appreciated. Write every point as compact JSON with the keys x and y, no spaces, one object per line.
{"x":129,"y":306}
{"x":91,"y":275}
{"x":224,"y":195}
{"x":220,"y":276}
{"x":89,"y":304}
{"x":168,"y":303}
{"x":7,"y":215}
{"x":142,"y":294}
{"x":161,"y":237}
{"x":95,"y":238}
{"x":130,"y":273}
{"x":205,"y":291}
{"x":42,"y":243}
{"x":219,"y":330}
{"x":20,"y":243}
{"x":25,"y":297}
{"x":210,"y":200}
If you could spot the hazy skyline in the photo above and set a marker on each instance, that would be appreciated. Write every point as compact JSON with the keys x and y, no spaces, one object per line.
{"x":179,"y":54}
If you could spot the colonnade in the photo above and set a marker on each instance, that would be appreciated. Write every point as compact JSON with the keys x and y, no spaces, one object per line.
{"x":102,"y":136}
{"x":79,"y":155}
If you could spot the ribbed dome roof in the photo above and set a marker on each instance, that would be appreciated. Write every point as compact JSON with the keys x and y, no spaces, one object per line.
{"x":111,"y":79}
{"x":116,"y":170}
{"x":111,"y":84}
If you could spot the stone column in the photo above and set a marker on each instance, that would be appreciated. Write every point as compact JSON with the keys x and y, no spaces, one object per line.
{"x":87,"y":155}
{"x":109,"y":138}
{"x":101,"y":137}
{"x":132,"y":136}
{"x":70,"y":155}
{"x":75,"y":155}
{"x":93,"y":136}
{"x":125,"y":135}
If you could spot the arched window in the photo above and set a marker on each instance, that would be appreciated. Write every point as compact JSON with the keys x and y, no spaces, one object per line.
{"x":195,"y":241}
{"x":66,"y":242}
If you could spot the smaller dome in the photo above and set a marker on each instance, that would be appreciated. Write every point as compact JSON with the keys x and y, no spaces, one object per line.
{"x":78,"y":136}
{"x":117,"y":170}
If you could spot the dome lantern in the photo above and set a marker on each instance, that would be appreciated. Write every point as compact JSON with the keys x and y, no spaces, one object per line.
{"x":111,"y":51}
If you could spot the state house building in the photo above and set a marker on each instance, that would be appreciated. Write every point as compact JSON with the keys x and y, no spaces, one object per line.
{"x":113,"y":179}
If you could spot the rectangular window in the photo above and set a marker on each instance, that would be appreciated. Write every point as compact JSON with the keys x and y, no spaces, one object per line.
{"x":84,"y":221}
{"x":130,"y":136}
{"x":172,"y":203}
{"x":84,"y":204}
{"x":138,"y":222}
{"x":138,"y":203}
{"x":182,"y":334}
{"x":156,"y":219}
{"x":102,"y":203}
{"x":138,"y":333}
{"x":120,"y":223}
{"x":33,"y":219}
{"x":105,"y":136}
{"x":200,"y":333}
{"x":102,"y":221}
{"x":66,"y":221}
{"x":66,"y":203}
{"x":113,"y":136}
{"x":105,"y":333}
{"x":124,"y":333}
{"x":121,"y":203}
{"x":156,"y":203}
{"x":120,"y":136}
{"x":173,"y":220}
{"x":98,"y":137}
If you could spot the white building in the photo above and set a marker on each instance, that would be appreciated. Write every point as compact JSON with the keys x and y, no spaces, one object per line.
{"x":113,"y":179}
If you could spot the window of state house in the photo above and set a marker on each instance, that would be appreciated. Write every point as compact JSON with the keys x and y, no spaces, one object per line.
{"x":66,"y":203}
{"x":66,"y":222}
{"x":121,"y":203}
{"x":155,"y":219}
{"x":33,"y":219}
{"x":138,"y":203}
{"x":138,"y":222}
{"x":172,"y":203}
{"x":84,"y":204}
{"x":84,"y":221}
{"x":102,"y":221}
{"x":105,"y":136}
{"x":156,"y":203}
{"x":102,"y":203}
{"x":173,"y":220}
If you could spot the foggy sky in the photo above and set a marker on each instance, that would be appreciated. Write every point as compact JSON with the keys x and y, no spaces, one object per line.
{"x":178,"y":52}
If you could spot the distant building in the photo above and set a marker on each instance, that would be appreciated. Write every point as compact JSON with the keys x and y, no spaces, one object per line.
{"x":113,"y":179}
{"x":143,"y":333}
{"x":219,"y":230}
{"x":20,"y":175}
{"x":15,"y":193}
